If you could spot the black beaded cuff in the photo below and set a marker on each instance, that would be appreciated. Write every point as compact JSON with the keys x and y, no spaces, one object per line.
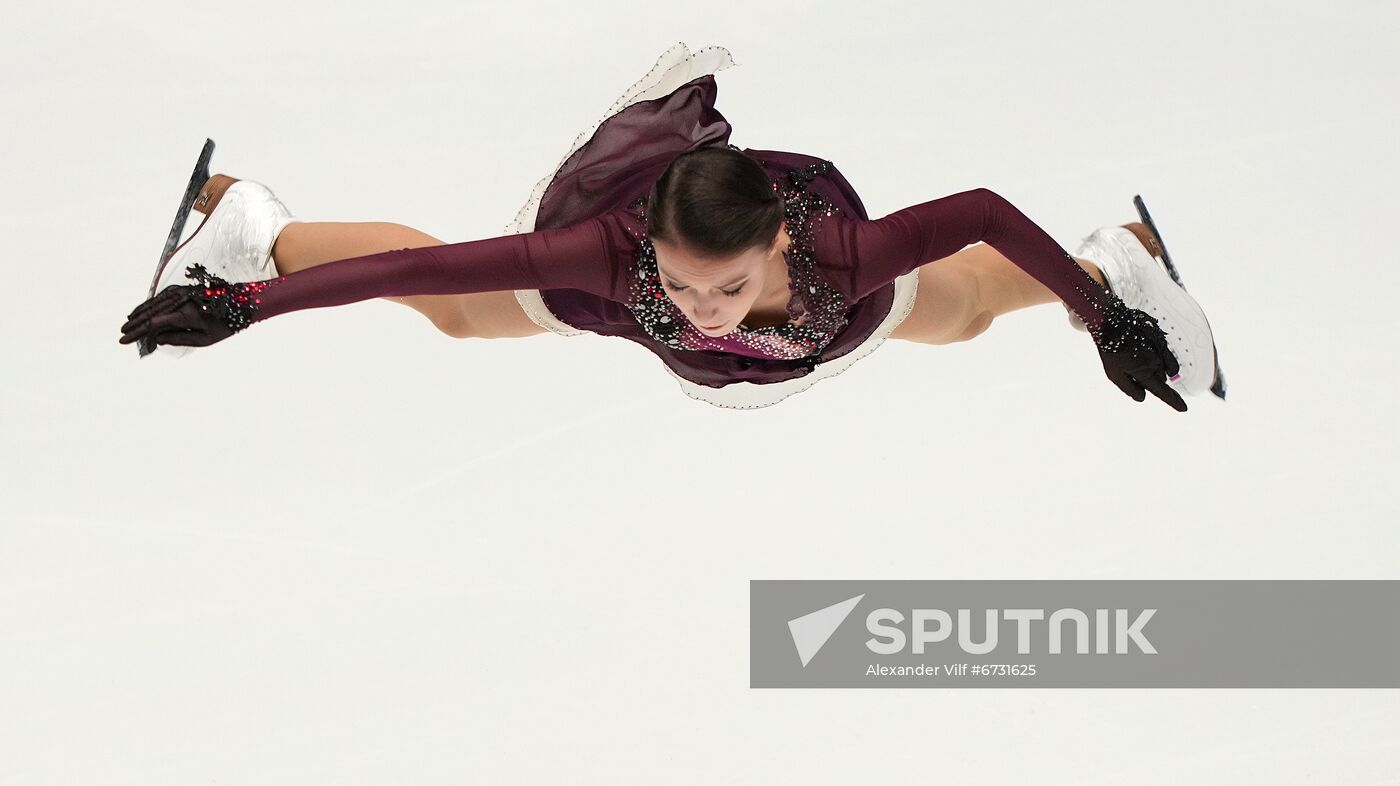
{"x":234,"y":304}
{"x":1125,"y":328}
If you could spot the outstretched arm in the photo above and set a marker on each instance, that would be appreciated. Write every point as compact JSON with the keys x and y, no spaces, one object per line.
{"x":579,"y":256}
{"x":866,"y":255}
{"x":861,"y":256}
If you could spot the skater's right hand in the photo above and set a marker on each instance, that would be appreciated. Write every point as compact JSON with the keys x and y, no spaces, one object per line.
{"x":194,"y":315}
{"x":177,"y":317}
{"x":1136,"y":356}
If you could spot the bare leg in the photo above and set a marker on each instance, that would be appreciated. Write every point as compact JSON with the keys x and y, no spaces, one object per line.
{"x":960,"y":295}
{"x":480,"y":315}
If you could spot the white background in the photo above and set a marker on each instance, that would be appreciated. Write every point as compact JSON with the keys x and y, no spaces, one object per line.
{"x":344,"y":548}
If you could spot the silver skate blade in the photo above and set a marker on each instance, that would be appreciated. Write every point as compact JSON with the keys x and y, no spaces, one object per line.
{"x":1217,"y":386}
{"x":1147,"y":219}
{"x":182,"y":214}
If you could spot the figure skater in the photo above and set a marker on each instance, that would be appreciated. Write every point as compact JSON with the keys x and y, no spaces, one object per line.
{"x":750,"y":273}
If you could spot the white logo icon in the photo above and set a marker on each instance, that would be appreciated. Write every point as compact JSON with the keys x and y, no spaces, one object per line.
{"x":811,"y":631}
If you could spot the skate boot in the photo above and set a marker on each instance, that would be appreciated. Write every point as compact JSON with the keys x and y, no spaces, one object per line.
{"x":242,"y":220}
{"x":1128,"y":257}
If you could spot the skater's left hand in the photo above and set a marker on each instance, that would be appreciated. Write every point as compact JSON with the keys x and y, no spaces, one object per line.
{"x":1136,"y":356}
{"x":176,"y":317}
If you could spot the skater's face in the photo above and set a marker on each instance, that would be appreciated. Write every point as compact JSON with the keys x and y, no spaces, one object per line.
{"x":717,"y":294}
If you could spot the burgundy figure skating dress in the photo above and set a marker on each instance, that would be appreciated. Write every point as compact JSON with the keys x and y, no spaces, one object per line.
{"x":579,"y":260}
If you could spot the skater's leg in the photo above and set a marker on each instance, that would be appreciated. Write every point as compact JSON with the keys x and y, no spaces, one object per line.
{"x":960,"y":295}
{"x":480,"y":315}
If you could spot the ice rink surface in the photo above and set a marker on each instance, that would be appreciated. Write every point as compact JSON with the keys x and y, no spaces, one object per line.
{"x":343,"y":548}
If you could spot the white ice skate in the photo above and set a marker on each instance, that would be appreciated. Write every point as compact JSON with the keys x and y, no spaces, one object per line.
{"x":242,"y":220}
{"x":1143,"y":282}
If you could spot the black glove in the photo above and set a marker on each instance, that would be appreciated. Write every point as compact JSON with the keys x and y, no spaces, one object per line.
{"x":1136,"y":356}
{"x":191,"y":315}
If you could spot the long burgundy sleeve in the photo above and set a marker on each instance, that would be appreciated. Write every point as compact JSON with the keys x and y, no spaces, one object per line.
{"x":580,"y":256}
{"x":861,"y":256}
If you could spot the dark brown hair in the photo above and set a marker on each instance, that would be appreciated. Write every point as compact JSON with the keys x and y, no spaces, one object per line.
{"x":715,"y":201}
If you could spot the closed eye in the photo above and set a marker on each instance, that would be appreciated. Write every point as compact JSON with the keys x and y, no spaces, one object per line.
{"x":728,"y":292}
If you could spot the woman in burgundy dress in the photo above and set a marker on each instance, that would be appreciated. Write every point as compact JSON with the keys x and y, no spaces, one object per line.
{"x":751,"y":274}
